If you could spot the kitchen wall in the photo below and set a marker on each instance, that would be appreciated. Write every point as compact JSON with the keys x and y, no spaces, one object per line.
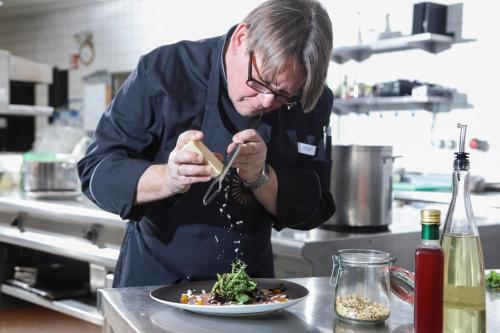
{"x":125,"y":29}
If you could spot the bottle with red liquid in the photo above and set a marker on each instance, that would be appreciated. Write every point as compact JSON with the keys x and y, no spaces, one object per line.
{"x":429,"y":266}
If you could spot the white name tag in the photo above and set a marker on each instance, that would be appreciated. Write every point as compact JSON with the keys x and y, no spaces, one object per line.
{"x":306,"y":149}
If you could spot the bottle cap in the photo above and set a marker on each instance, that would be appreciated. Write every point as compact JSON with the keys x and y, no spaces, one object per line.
{"x":430,"y":216}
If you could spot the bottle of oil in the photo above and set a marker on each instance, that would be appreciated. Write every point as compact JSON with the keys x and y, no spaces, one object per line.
{"x":464,"y":288}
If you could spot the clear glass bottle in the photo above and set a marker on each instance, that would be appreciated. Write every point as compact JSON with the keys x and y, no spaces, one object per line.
{"x":464,"y":281}
{"x":429,"y":265}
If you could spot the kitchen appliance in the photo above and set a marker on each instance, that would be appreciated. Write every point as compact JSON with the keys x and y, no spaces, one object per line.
{"x":361,"y":185}
{"x":394,"y":88}
{"x":19,"y":78}
{"x":49,"y":175}
{"x":429,"y":17}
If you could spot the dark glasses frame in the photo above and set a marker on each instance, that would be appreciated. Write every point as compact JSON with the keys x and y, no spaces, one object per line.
{"x":264,"y":89}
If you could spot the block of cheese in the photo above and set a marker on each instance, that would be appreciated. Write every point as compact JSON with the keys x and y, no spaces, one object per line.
{"x":209,"y":157}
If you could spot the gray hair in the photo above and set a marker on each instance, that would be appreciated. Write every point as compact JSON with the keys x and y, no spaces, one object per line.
{"x":293,"y":29}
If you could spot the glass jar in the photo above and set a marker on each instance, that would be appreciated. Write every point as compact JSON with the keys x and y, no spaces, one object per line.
{"x":362,"y":286}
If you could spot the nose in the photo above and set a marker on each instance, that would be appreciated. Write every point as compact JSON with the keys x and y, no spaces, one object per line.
{"x":266,"y":100}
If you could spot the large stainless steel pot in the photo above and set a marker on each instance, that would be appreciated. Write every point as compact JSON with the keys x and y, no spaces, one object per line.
{"x":56,"y":173}
{"x":361,"y":184}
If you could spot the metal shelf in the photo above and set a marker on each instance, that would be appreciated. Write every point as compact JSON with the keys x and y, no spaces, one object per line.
{"x":70,"y":247}
{"x":403,"y":103}
{"x":71,"y":307}
{"x":25,"y":70}
{"x":433,"y":43}
{"x":28,"y":110}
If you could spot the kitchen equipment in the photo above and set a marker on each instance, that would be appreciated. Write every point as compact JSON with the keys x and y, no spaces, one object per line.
{"x":429,"y":17}
{"x":19,"y":78}
{"x":394,"y":88}
{"x":213,"y":191}
{"x":49,"y":174}
{"x":361,"y":184}
{"x":211,"y":194}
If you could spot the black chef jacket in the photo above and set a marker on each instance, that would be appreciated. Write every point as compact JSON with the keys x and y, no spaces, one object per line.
{"x":180,"y":87}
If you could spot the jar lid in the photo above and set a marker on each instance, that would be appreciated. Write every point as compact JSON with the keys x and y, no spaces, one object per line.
{"x":402,"y":284}
{"x":364,"y":257}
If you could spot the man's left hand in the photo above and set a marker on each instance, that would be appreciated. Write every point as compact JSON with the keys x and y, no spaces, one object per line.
{"x":252,"y":156}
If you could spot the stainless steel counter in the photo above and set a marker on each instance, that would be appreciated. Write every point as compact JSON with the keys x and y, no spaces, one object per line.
{"x":80,"y":230}
{"x":132,"y":310}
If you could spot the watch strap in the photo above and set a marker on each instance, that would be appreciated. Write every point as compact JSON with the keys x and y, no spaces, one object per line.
{"x":263,"y":178}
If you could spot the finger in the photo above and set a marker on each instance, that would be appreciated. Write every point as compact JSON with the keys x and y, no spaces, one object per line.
{"x":252,"y":148}
{"x":231,"y":147}
{"x":248,"y":135}
{"x":219,"y":156}
{"x":187,"y":136}
{"x":191,"y":170}
{"x":192,"y":180}
{"x":187,"y":157}
{"x":247,"y":165}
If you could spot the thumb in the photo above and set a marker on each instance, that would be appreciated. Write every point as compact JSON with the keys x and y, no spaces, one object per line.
{"x":187,"y":136}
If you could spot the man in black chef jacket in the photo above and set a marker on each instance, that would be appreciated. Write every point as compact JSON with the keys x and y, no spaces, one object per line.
{"x":273,"y":63}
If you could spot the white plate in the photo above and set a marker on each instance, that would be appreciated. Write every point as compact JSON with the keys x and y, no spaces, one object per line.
{"x":171,"y":295}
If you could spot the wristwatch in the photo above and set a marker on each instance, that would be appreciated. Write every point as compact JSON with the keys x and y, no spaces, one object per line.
{"x":263,"y":178}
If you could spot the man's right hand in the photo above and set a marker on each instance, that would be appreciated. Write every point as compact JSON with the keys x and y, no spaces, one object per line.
{"x":183,"y":168}
{"x":186,"y":167}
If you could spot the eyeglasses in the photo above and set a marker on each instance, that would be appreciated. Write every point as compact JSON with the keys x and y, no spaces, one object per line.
{"x":262,"y":88}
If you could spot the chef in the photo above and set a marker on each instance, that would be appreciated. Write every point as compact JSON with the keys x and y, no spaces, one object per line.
{"x":261,"y":85}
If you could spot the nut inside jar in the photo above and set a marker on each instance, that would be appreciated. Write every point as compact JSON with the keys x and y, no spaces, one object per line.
{"x":361,"y":309}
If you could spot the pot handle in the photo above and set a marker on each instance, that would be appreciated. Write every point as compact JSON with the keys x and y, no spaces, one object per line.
{"x":385,"y":158}
{"x":335,"y":271}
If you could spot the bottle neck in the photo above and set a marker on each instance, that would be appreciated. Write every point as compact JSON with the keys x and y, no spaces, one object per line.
{"x":460,"y":218}
{"x":430,"y":232}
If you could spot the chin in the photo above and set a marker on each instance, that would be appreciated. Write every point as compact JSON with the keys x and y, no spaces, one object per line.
{"x":248,"y":111}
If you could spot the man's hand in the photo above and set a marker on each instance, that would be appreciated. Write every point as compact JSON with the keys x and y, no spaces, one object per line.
{"x":252,"y":156}
{"x":185,"y":167}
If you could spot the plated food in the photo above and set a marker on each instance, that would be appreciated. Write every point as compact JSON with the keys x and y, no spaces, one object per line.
{"x":235,"y":288}
{"x":233,"y":294}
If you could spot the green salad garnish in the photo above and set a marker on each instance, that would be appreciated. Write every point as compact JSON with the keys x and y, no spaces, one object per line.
{"x":236,"y":287}
{"x":493,"y":280}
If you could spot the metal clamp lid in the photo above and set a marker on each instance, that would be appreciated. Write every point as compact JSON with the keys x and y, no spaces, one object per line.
{"x":402,"y":284}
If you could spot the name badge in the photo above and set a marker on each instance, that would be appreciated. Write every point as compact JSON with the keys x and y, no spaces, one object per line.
{"x":306,"y":149}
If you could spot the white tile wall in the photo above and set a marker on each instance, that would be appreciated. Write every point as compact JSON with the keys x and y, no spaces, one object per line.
{"x":125,"y":29}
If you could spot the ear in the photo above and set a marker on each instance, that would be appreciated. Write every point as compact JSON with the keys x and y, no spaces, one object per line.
{"x":238,"y":39}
